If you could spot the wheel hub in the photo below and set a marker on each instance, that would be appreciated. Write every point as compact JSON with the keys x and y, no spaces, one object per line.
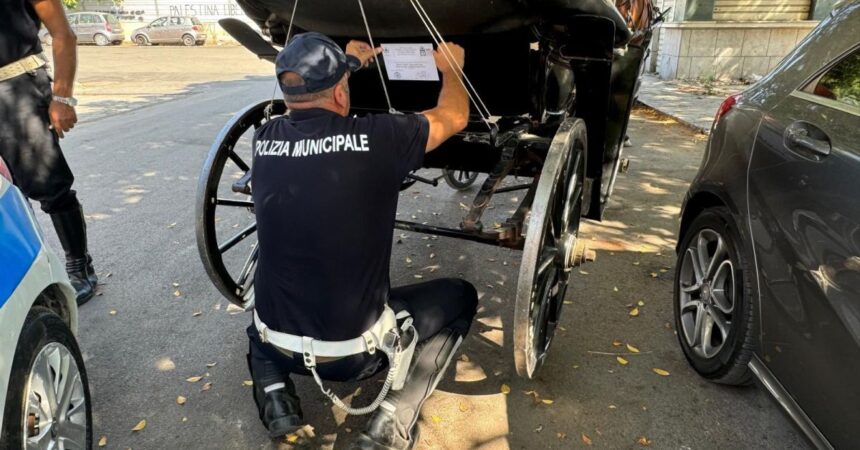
{"x":706,"y":292}
{"x":569,"y":251}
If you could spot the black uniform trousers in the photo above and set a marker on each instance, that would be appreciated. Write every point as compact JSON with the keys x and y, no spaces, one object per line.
{"x":29,"y":147}
{"x":446,"y":303}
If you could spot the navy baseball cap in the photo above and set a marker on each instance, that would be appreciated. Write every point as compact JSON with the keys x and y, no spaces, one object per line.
{"x":317,"y":59}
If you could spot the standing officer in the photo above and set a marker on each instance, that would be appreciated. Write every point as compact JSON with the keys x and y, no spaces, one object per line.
{"x":325,"y":189}
{"x":35,"y":115}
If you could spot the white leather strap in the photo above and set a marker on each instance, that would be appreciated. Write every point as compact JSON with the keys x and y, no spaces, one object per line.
{"x":367,"y":342}
{"x":27,"y":64}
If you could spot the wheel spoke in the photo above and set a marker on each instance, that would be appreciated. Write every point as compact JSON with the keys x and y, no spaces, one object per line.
{"x":707,"y":331}
{"x":238,"y":203}
{"x":249,"y":266}
{"x":238,"y":161}
{"x":47,"y":382}
{"x":719,"y":252}
{"x":73,"y":435}
{"x":546,"y":262}
{"x":720,"y":321}
{"x":43,"y":440}
{"x":69,"y":382}
{"x":230,"y":243}
{"x":724,"y":287}
{"x":686,"y":288}
{"x":692,"y":254}
{"x":695,"y":333}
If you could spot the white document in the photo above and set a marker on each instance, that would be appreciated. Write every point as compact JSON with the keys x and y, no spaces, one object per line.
{"x":410,"y":62}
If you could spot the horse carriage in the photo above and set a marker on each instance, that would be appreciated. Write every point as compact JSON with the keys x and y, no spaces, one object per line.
{"x":552,"y":84}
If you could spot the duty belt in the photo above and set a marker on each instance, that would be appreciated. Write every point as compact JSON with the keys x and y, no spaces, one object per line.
{"x":398,"y":344}
{"x":22,"y":66}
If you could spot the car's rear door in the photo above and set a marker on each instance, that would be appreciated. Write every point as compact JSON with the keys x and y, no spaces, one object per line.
{"x":804,"y":190}
{"x":156,"y":29}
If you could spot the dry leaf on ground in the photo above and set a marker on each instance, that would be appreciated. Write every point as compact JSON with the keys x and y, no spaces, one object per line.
{"x":102,"y":441}
{"x":247,"y":383}
{"x":643,"y":441}
{"x":632,"y":349}
{"x":505,"y":389}
{"x":617,"y":343}
{"x":206,"y":387}
{"x":140,"y":425}
{"x":112,"y":312}
{"x":193,"y":379}
{"x":585,"y":439}
{"x":634,"y":312}
{"x":661,"y":372}
{"x":464,"y":406}
{"x":548,"y":401}
{"x":640,"y":303}
{"x":436,"y":419}
{"x":292,"y":438}
{"x":212,"y":364}
{"x":621,"y":360}
{"x":180,"y":400}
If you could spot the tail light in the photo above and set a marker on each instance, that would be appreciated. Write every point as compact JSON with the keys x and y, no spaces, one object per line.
{"x":196,"y":28}
{"x":4,"y":171}
{"x":108,"y":28}
{"x":726,"y":106}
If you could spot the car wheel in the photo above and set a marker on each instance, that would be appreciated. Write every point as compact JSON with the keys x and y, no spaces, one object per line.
{"x":713,"y":299}
{"x":459,"y":179}
{"x":141,"y":40}
{"x":48,"y":399}
{"x":188,"y":40}
{"x":101,"y":40}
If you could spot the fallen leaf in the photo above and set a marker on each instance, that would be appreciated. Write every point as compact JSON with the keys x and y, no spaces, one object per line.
{"x":621,"y":360}
{"x":636,"y":263}
{"x":634,"y":312}
{"x":140,"y":425}
{"x":538,"y":429}
{"x":185,"y":419}
{"x":613,"y":407}
{"x":247,"y":383}
{"x":212,"y":364}
{"x":112,"y":312}
{"x":292,"y":438}
{"x":432,"y":255}
{"x":463,"y":205}
{"x":172,"y":225}
{"x":568,"y":302}
{"x":436,"y":419}
{"x":233,"y":309}
{"x":180,"y":400}
{"x":585,"y":439}
{"x":653,"y":274}
{"x":108,"y":275}
{"x":561,"y":435}
{"x":640,"y":303}
{"x":102,"y":441}
{"x":206,"y":386}
{"x":464,"y":357}
{"x":197,"y":313}
{"x":505,"y":389}
{"x":357,"y":392}
{"x":418,"y":276}
{"x":548,"y":401}
{"x":617,"y":343}
{"x":175,"y":284}
{"x":661,"y":372}
{"x":632,"y":348}
{"x":643,"y":441}
{"x":615,"y":288}
{"x":464,"y":406}
{"x":193,"y":379}
{"x":408,"y":260}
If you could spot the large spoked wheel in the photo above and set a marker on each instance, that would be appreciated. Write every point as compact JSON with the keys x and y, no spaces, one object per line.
{"x":226,"y":226}
{"x":551,"y":240}
{"x":713,"y":311}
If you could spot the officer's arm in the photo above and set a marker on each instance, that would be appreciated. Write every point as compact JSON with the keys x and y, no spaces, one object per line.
{"x":451,"y":114}
{"x":65,"y":50}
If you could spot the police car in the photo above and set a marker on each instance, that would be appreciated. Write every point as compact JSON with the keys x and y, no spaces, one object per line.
{"x":43,"y":382}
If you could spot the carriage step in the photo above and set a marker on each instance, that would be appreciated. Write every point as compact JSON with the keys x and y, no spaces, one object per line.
{"x":625,"y":165}
{"x":243,"y":185}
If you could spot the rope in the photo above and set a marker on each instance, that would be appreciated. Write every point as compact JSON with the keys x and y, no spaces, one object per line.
{"x":429,"y":24}
{"x":290,"y":26}
{"x":391,"y":109}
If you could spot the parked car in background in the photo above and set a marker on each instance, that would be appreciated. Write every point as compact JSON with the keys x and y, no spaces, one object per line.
{"x":185,"y":30}
{"x":95,"y":27}
{"x":767,"y":284}
{"x":44,"y":393}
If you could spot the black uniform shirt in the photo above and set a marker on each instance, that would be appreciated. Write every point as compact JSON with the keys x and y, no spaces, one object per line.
{"x":325,"y":190}
{"x":19,"y":31}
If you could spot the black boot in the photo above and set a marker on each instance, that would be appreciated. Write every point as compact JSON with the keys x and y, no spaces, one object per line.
{"x":385,"y":432}
{"x":280,"y":408}
{"x":72,"y":231}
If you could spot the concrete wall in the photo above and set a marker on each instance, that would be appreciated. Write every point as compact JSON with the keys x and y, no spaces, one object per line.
{"x":725,"y":50}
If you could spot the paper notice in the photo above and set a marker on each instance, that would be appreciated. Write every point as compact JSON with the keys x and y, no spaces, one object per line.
{"x":410,"y":62}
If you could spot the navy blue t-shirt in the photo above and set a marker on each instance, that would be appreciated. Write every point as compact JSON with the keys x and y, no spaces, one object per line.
{"x":325,"y":191}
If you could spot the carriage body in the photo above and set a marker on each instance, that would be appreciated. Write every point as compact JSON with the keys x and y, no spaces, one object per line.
{"x":559,"y":79}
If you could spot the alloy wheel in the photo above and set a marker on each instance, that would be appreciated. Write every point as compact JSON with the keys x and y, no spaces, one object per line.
{"x":55,"y":410}
{"x":707,"y":293}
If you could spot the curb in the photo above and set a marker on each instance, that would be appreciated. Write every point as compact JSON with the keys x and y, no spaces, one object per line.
{"x":692,"y":126}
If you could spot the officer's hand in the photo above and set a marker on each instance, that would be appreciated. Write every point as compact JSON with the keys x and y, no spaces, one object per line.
{"x":62,"y":116}
{"x":444,"y":59}
{"x":363,"y":51}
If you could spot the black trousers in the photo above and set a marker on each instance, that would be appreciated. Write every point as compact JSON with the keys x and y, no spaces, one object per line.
{"x":30,"y":149}
{"x":447,"y":303}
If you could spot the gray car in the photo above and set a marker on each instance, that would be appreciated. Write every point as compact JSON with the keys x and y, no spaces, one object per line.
{"x":95,"y":27}
{"x":184,"y":30}
{"x":768,"y":275}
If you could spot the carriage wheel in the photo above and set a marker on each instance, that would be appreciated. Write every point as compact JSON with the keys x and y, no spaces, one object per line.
{"x":549,"y":251}
{"x":459,"y":179}
{"x":226,"y":226}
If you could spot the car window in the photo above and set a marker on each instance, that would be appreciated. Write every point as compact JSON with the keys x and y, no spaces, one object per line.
{"x":95,"y":18}
{"x":196,"y":21}
{"x":158,"y":22}
{"x":175,"y":21}
{"x":842,"y":82}
{"x":111,"y":19}
{"x":73,"y":19}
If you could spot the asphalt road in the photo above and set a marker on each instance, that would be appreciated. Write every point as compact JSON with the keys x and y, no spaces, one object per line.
{"x":143,"y":337}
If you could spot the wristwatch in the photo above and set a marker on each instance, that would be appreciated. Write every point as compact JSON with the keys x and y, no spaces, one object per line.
{"x":71,"y":101}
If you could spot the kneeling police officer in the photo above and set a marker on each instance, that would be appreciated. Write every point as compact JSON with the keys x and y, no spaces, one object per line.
{"x":325,"y":189}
